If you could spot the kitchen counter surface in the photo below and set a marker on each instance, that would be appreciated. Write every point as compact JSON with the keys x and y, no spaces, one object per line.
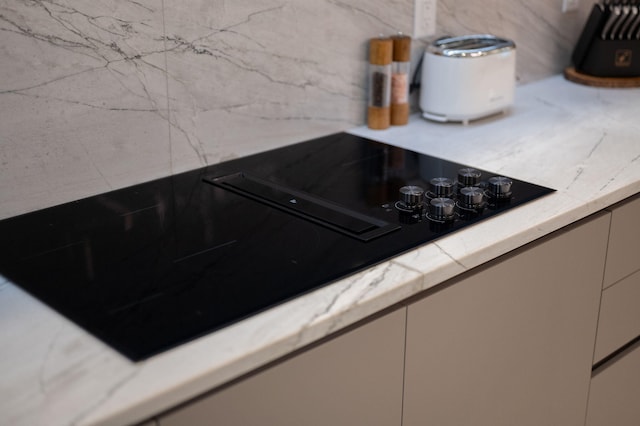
{"x":582,"y":141}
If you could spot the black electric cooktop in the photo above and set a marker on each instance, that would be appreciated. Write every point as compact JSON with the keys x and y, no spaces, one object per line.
{"x":152,"y":266}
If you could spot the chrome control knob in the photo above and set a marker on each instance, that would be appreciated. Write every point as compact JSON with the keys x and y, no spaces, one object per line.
{"x":500,"y":187}
{"x":411,"y":196}
{"x":469,"y":176}
{"x":441,"y":187}
{"x":471,"y":197}
{"x":442,"y":209}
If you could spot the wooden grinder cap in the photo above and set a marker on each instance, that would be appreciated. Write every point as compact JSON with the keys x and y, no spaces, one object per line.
{"x":401,"y":48}
{"x":380,"y":51}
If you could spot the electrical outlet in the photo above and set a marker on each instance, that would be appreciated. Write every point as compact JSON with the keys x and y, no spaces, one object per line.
{"x":570,"y":5}
{"x":424,"y":18}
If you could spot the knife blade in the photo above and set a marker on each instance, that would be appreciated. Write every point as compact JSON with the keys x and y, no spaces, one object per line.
{"x":620,"y":23}
{"x":634,"y":24}
{"x":611,"y":19}
{"x":632,"y":13}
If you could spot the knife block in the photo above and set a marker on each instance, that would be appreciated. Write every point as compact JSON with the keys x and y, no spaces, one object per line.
{"x":611,"y":58}
{"x":604,"y":57}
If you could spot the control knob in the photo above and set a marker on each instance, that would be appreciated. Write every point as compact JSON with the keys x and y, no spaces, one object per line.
{"x":469,"y":176}
{"x":441,"y":187}
{"x":500,"y":187}
{"x":471,"y":197}
{"x":411,"y":196}
{"x":442,"y":209}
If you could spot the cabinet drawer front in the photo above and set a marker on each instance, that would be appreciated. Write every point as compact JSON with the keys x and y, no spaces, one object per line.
{"x":623,"y":257}
{"x":619,"y":316}
{"x":613,"y":398}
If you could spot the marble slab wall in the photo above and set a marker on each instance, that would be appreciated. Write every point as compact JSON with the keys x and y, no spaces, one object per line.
{"x":100,"y":95}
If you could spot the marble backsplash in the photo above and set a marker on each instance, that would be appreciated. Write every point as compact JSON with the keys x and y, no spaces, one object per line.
{"x":99,"y":95}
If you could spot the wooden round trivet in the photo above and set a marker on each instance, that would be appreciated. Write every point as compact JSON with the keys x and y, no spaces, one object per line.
{"x":571,"y":74}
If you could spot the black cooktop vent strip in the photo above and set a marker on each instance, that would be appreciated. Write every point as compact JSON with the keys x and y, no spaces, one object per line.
{"x":305,"y":206}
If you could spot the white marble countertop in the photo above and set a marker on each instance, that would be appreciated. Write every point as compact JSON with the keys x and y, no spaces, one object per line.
{"x":582,"y":141}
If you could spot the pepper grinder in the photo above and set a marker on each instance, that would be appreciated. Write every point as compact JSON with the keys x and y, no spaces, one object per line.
{"x":380,"y":57}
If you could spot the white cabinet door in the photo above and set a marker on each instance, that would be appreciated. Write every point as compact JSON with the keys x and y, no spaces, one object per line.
{"x":354,"y":379}
{"x":512,"y":342}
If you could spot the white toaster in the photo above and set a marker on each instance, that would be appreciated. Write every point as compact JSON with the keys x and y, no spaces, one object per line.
{"x":468,"y":77}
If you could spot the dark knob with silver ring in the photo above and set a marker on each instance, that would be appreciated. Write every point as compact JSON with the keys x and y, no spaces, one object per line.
{"x":471,"y":197}
{"x":500,"y":187}
{"x":411,"y":196}
{"x":442,"y":209}
{"x":441,"y":187}
{"x":469,"y":176}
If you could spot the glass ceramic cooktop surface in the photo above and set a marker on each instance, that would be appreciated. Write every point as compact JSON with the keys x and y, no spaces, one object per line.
{"x":148,"y":267}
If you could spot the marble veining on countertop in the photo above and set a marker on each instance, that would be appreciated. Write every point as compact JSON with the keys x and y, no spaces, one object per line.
{"x":584,"y":142}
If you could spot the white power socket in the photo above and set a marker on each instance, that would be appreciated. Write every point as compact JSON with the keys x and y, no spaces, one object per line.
{"x":424,"y":18}
{"x":570,"y":5}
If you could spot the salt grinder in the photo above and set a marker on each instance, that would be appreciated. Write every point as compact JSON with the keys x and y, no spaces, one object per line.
{"x":400,"y":79}
{"x":380,"y":58}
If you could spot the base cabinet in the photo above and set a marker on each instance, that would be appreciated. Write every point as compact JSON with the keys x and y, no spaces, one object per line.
{"x":354,"y":379}
{"x":614,"y":398}
{"x":619,"y":321}
{"x":512,"y":342}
